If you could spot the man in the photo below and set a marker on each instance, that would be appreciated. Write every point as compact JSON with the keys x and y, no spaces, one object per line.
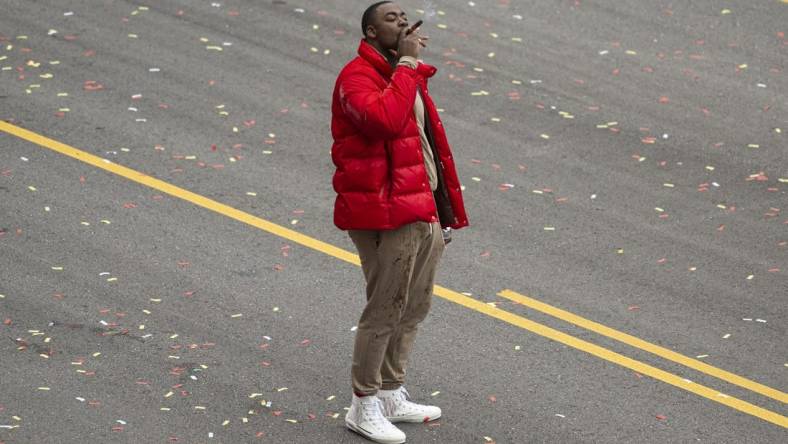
{"x":397,"y":188}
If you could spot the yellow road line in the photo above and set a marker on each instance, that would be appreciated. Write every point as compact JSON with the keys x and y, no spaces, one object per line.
{"x":445,"y":293}
{"x":644,"y":345}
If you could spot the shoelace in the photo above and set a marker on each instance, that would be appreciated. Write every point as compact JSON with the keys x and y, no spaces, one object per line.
{"x":401,"y":398}
{"x":372,"y":411}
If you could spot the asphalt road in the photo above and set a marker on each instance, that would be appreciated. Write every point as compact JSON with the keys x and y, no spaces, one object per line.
{"x":623,"y":161}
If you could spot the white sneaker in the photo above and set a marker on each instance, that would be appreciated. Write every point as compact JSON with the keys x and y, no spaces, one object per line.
{"x":365,"y":417}
{"x":397,"y":408}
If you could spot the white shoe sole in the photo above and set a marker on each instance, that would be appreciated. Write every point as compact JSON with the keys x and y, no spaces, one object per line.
{"x":413,"y":418}
{"x":352,"y":426}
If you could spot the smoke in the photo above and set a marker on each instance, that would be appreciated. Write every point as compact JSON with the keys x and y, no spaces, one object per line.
{"x":429,"y":11}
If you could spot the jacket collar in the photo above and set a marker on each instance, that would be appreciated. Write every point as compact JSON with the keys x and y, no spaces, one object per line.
{"x":371,"y":55}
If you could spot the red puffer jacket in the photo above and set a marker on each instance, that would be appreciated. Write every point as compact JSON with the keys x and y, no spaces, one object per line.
{"x":380,"y":180}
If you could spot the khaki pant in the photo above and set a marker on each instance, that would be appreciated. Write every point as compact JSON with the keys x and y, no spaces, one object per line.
{"x":399,"y":268}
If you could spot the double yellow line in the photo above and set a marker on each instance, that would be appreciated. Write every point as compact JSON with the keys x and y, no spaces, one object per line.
{"x":461,"y":299}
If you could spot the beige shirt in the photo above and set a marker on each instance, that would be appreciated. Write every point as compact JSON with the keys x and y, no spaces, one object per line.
{"x":418,"y":109}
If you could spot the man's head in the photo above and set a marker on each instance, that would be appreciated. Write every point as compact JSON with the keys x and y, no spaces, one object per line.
{"x":382,"y":23}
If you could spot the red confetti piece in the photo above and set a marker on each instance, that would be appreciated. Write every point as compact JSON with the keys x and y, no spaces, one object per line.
{"x":664,"y":99}
{"x":92,"y":85}
{"x":661,"y":417}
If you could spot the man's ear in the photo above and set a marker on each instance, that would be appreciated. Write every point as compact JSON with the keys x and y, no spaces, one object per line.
{"x":371,"y":32}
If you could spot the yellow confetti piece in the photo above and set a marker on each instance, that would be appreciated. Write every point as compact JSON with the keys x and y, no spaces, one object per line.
{"x":43,"y":388}
{"x":96,"y":354}
{"x":64,"y":110}
{"x":281,"y":389}
{"x":105,"y":221}
{"x":57,"y":268}
{"x":476,"y":179}
{"x":517,"y":39}
{"x":54,"y":62}
{"x":164,"y":409}
{"x":753,"y":145}
{"x":549,"y":228}
{"x":293,"y":421}
{"x":659,"y":210}
{"x":31,"y":188}
{"x":133,"y":36}
{"x":251,"y":193}
{"x":495,"y":119}
{"x":668,"y":185}
{"x":199,"y":407}
{"x":112,"y":279}
{"x":725,"y":11}
{"x":16,"y":418}
{"x":168,"y":394}
{"x":225,"y":422}
{"x":709,"y":167}
{"x":743,"y":66}
{"x":214,"y":48}
{"x":46,"y":76}
{"x":544,"y":136}
{"x":630,"y":52}
{"x":442,"y":26}
{"x":517,"y":82}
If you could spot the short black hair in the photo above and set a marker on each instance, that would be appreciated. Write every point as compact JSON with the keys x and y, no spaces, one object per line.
{"x":367,"y":17}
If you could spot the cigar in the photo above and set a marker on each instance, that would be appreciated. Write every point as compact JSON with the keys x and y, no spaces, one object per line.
{"x":414,"y":27}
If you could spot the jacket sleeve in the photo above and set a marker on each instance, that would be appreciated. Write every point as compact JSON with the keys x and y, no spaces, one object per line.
{"x":379,"y":114}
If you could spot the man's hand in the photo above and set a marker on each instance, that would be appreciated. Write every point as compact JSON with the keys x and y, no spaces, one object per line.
{"x":409,"y":44}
